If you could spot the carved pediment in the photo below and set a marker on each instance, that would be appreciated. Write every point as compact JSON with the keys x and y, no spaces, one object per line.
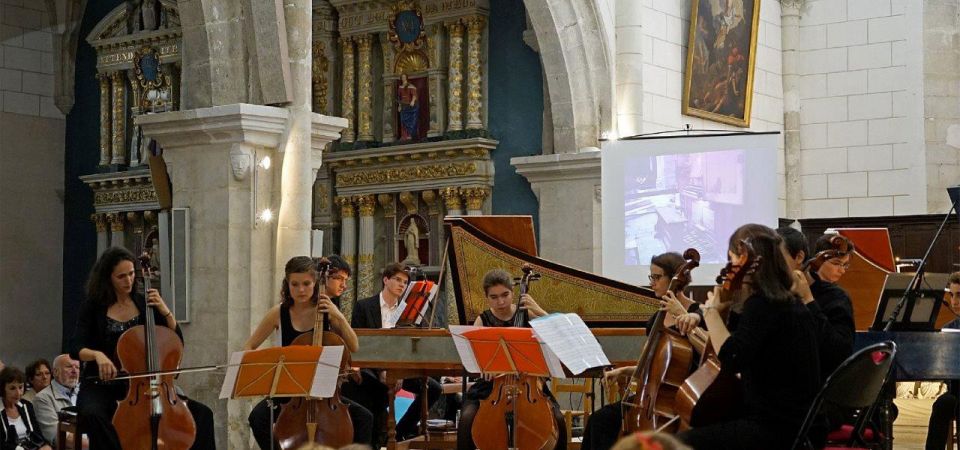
{"x":128,"y":28}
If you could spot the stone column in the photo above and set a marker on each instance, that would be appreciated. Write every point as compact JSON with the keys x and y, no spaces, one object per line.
{"x":100,"y":220}
{"x":629,"y":89}
{"x":790,"y":37}
{"x":475,"y":27}
{"x":105,"y":125}
{"x":455,"y":77}
{"x":474,"y":197}
{"x":366,"y":273}
{"x":347,"y":111}
{"x":437,"y":78}
{"x":451,"y":199}
{"x":119,"y":130}
{"x":390,"y":217}
{"x":116,"y":229}
{"x":294,"y":216}
{"x":365,"y":88}
{"x":348,"y":247}
{"x":436,"y":224}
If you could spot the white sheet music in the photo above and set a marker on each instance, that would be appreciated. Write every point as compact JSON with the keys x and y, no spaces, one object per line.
{"x":464,"y":349}
{"x":230,"y":378}
{"x":328,"y":370}
{"x":569,"y":338}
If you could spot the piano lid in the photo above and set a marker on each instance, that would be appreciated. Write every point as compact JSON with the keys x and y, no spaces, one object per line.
{"x":599,"y":301}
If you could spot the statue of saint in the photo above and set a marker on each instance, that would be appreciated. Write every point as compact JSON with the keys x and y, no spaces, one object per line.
{"x":411,"y":240}
{"x":409,"y":109}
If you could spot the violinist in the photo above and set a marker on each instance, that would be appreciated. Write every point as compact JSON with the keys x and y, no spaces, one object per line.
{"x":301,"y":296}
{"x":773,"y":347}
{"x":111,"y":308}
{"x":498,"y":290}
{"x":603,"y":427}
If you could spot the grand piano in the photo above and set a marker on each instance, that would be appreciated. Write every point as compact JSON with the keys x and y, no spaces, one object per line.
{"x":615,"y":311}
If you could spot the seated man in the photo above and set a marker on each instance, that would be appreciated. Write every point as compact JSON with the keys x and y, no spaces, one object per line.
{"x":377,"y":312}
{"x":61,"y":393}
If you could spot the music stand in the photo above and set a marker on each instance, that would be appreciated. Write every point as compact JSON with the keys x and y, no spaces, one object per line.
{"x":292,"y":371}
{"x":919,"y":310}
{"x":504,"y":350}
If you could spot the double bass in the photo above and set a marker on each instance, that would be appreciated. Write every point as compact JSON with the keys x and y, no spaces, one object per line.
{"x":517,"y":414}
{"x":663,"y":365}
{"x":151,"y":416}
{"x":323,"y":421}
{"x":711,"y":395}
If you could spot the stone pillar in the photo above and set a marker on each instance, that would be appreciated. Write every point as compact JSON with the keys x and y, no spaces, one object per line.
{"x":474,"y":197}
{"x":790,"y":36}
{"x":348,"y":248}
{"x":389,"y":91}
{"x":237,"y":286}
{"x":451,"y":199}
{"x":475,"y":27}
{"x":116,"y":229}
{"x":347,"y":111}
{"x":629,"y":102}
{"x":105,"y":124}
{"x":100,"y":220}
{"x":294,"y":217}
{"x":135,"y":219}
{"x":436,"y":224}
{"x":365,"y":88}
{"x":437,"y":77}
{"x":390,"y":217}
{"x":366,"y":273}
{"x":455,"y":77}
{"x":119,"y":122}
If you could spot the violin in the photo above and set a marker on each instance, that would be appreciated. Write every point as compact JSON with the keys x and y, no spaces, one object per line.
{"x":840,"y":246}
{"x":711,"y":395}
{"x":517,"y":414}
{"x":323,"y":421}
{"x":152,"y":416}
{"x":663,"y":365}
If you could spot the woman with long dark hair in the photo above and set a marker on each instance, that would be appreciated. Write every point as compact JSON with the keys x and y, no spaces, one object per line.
{"x":770,"y":341}
{"x":113,"y":306}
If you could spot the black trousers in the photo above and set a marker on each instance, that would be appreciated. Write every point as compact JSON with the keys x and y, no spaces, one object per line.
{"x":96,"y":404}
{"x":260,"y":424}
{"x":203,"y":417}
{"x":603,"y":428}
{"x":741,"y":434}
{"x":938,"y":432}
{"x":372,"y":394}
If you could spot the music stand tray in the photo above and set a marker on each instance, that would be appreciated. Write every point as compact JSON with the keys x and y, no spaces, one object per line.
{"x":919,"y":313}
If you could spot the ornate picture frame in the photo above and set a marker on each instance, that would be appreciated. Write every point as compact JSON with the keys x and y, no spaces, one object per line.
{"x":721,"y":58}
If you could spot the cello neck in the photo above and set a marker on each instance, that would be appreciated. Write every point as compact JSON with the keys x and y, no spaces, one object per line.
{"x":148,"y":321}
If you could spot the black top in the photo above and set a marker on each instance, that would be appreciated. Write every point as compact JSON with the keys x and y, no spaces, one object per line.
{"x":832,"y":313}
{"x":96,"y":331}
{"x":490,"y":320}
{"x":693,"y":308}
{"x":774,"y":348}
{"x":8,"y":441}
{"x":287,"y":332}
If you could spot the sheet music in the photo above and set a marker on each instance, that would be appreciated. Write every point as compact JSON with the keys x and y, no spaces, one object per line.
{"x":553,"y":362}
{"x":571,"y":341}
{"x":464,"y":349}
{"x":230,"y":378}
{"x":327,"y":373}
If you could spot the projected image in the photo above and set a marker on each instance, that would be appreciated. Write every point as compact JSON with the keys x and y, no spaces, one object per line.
{"x":672,"y":202}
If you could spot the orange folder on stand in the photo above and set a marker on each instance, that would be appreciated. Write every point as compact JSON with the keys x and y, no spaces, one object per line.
{"x":293,"y":371}
{"x":503,"y":350}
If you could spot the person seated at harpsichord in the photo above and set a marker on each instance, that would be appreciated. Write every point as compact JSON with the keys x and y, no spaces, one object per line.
{"x":603,"y":426}
{"x":301,"y":296}
{"x":498,"y":291}
{"x":374,"y":312}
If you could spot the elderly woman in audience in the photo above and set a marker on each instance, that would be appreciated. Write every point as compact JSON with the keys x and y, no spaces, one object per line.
{"x":62,"y":394}
{"x":18,"y":422}
{"x":38,"y":378}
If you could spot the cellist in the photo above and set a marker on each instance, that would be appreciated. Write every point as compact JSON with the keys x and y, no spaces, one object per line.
{"x":112,"y":307}
{"x":498,"y":291}
{"x":300,"y":296}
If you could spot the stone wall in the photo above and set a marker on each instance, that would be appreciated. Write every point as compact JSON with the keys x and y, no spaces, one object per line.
{"x":31,"y":187}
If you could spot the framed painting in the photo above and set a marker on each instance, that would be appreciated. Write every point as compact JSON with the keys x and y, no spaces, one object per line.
{"x":718,"y":82}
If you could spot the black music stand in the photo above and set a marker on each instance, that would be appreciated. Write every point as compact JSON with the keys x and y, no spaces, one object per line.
{"x":920,"y":307}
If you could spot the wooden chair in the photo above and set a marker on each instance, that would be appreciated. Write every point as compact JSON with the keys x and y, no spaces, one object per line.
{"x":67,"y":423}
{"x":584,"y":387}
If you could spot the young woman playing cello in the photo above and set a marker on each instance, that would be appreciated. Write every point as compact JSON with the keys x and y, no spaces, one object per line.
{"x":301,"y":296}
{"x":773,"y":347}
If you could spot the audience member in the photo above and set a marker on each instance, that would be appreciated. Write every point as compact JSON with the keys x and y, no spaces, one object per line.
{"x":62,"y":393}
{"x":18,"y":422}
{"x":38,"y":378}
{"x":647,"y":440}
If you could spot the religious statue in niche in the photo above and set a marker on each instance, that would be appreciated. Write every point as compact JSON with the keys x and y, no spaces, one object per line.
{"x":414,"y":238}
{"x":409,"y":109}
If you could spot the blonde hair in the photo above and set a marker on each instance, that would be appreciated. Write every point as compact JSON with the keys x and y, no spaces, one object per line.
{"x":648,"y":440}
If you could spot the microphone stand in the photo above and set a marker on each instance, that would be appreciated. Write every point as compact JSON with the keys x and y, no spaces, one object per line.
{"x":914,"y":285}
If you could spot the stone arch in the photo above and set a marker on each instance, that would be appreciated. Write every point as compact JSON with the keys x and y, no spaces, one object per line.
{"x":575,"y":48}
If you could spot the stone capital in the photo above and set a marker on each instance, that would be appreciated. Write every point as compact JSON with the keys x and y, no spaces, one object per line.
{"x":386,"y":202}
{"x":100,"y":220}
{"x":474,"y":197}
{"x":451,"y":198}
{"x":240,"y":123}
{"x":559,"y":167}
{"x":116,"y":221}
{"x":409,"y":201}
{"x":367,"y":204}
{"x":346,"y":206}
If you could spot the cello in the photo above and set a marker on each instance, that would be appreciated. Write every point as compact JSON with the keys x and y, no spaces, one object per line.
{"x":663,"y":365}
{"x":323,"y":421}
{"x":517,"y":414}
{"x":151,"y":416}
{"x":711,"y":395}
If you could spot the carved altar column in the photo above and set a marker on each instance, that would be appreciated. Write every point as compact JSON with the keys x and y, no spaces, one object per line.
{"x":100,"y":220}
{"x":451,"y":199}
{"x":319,"y":78}
{"x":116,"y":229}
{"x":119,"y":122}
{"x":346,"y":43}
{"x":348,"y":246}
{"x":324,"y":58}
{"x":474,"y":197}
{"x":436,"y":77}
{"x":455,"y":77}
{"x":390,"y":217}
{"x":105,"y":125}
{"x":475,"y":28}
{"x":366,"y":272}
{"x":365,"y":88}
{"x":134,"y":141}
{"x":389,"y":94}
